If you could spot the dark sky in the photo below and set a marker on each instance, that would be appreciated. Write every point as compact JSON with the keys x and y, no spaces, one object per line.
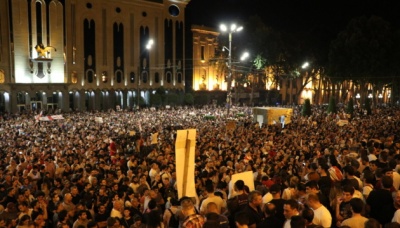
{"x":288,"y":15}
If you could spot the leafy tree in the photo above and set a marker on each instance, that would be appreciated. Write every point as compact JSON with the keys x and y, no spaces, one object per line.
{"x":306,"y":111}
{"x":362,"y":51}
{"x":188,"y":99}
{"x":332,"y":105}
{"x":155,"y":99}
{"x":368,"y":106}
{"x":161,"y":91}
{"x":350,"y":107}
{"x":142,"y":102}
{"x":172,"y":98}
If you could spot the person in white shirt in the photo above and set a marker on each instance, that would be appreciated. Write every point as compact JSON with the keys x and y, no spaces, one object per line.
{"x":154,"y":171}
{"x":290,"y":208}
{"x":322,"y":216}
{"x":117,"y":208}
{"x":396,"y":217}
{"x":221,"y":205}
{"x":396,"y":175}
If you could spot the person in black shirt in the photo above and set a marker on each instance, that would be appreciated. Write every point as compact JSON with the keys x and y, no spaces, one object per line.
{"x":350,"y":179}
{"x":253,"y":209}
{"x":271,"y":220}
{"x":275,"y":190}
{"x":308,"y":215}
{"x":380,"y":202}
{"x":101,"y":216}
{"x":312,"y":187}
{"x":343,"y":208}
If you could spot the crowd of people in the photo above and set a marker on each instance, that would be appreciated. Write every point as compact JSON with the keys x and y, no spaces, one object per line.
{"x":104,"y":169}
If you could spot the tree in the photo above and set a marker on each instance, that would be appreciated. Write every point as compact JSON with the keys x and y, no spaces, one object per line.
{"x":368,"y":106}
{"x":332,"y":105}
{"x":161,"y":91}
{"x":172,"y":98}
{"x":188,"y":99}
{"x":306,"y":111}
{"x":363,"y":51}
{"x":155,"y":99}
{"x":350,"y":107}
{"x":142,"y":102}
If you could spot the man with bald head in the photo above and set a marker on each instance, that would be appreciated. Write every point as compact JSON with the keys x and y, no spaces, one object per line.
{"x":213,"y":214}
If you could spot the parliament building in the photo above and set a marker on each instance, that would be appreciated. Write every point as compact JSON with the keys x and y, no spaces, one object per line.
{"x":89,"y":54}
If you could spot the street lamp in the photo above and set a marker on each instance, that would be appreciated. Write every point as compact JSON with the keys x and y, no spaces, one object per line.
{"x":305,"y":65}
{"x":149,"y":44}
{"x":233,"y":28}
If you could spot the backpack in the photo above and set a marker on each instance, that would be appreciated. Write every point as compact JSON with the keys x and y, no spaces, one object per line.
{"x":173,"y":221}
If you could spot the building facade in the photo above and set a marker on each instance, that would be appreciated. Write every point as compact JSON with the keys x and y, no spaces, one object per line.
{"x":206,"y":75}
{"x":89,"y":55}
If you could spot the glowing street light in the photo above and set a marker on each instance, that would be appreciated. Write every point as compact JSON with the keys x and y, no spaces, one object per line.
{"x":149,"y":45}
{"x":233,"y":28}
{"x":244,"y":56}
{"x":305,"y":65}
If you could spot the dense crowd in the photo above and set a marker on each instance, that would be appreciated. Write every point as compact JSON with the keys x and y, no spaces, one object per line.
{"x":104,"y":169}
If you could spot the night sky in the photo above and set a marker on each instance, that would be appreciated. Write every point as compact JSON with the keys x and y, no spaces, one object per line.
{"x":315,"y":16}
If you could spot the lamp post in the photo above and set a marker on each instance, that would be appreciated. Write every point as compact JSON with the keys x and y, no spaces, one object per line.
{"x":233,"y":28}
{"x":358,"y":96}
{"x":149,"y":44}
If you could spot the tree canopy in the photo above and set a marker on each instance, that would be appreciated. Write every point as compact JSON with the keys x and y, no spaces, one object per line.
{"x":363,"y":51}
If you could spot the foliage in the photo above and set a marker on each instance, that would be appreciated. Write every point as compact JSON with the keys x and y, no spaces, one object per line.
{"x":189,"y":99}
{"x":209,"y":117}
{"x":162,"y":92}
{"x":155,"y":99}
{"x":350,"y":107}
{"x":363,"y":51}
{"x":368,"y":106}
{"x":142,"y":102}
{"x":332,"y":105}
{"x":172,"y":99}
{"x":306,"y":111}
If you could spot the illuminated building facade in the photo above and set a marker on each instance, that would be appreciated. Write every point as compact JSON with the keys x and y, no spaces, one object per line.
{"x":206,"y":75}
{"x":89,"y":55}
